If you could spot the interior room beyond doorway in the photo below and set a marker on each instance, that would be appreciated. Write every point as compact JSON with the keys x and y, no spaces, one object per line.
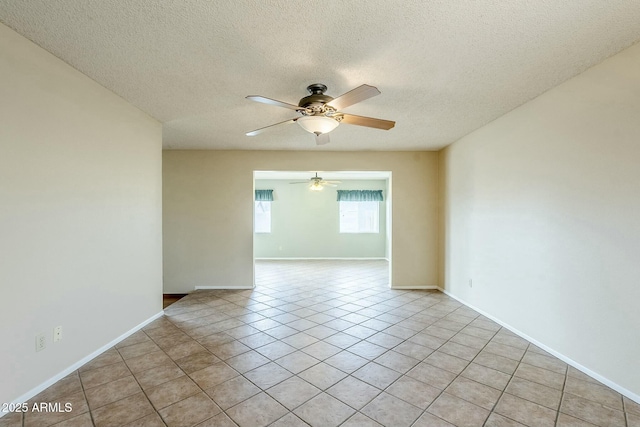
{"x":346,"y":221}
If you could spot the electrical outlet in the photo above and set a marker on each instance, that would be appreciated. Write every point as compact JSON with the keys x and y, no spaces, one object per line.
{"x":57,"y":333}
{"x":41,"y":342}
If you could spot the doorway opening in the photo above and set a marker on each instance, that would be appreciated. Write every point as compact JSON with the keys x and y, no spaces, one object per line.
{"x":334,"y":230}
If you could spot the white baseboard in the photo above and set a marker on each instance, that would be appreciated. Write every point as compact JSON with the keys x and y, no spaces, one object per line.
{"x":234,"y":288}
{"x":34,"y":391}
{"x":323,"y":258}
{"x":567,"y":360}
{"x":425,"y":287}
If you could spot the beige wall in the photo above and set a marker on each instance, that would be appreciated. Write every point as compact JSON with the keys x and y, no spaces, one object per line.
{"x":542,"y":211}
{"x":208,"y":219}
{"x":80,"y":215}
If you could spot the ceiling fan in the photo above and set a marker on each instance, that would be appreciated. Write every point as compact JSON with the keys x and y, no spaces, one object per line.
{"x":320,"y":113}
{"x":316,"y":183}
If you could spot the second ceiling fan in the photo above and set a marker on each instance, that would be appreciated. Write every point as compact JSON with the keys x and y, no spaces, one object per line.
{"x":316,"y":183}
{"x":320,"y":113}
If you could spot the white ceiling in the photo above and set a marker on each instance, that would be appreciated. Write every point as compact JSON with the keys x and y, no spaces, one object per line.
{"x":444,"y":67}
{"x":330,"y":175}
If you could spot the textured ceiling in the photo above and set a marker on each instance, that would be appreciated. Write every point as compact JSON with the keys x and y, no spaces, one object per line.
{"x":444,"y":67}
{"x":344,"y":175}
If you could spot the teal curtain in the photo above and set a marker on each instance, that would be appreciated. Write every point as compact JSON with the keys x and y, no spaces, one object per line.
{"x":264,"y":195}
{"x":360,"y":195}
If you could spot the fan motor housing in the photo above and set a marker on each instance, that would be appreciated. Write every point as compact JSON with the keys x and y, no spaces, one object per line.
{"x":317,"y":97}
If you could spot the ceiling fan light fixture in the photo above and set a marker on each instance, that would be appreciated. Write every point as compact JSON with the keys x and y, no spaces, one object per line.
{"x":316,"y":186}
{"x":317,"y":124}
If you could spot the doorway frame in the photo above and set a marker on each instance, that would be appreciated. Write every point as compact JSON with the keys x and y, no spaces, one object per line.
{"x":387,"y":176}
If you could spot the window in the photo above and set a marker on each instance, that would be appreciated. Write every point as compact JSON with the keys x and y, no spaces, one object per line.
{"x":262,"y":217}
{"x":262,"y":211}
{"x":359,"y":217}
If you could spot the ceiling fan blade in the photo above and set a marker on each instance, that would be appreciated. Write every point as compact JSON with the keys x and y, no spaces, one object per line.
{"x":257,"y":131}
{"x":333,"y":182}
{"x":275,"y":102}
{"x":299,"y":182}
{"x":367,"y":121}
{"x":322,"y":139}
{"x":354,"y":96}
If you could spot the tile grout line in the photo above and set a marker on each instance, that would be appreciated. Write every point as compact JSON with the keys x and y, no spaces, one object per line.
{"x":203,"y":390}
{"x":423,"y":361}
{"x":502,"y":393}
{"x":562,"y":394}
{"x":138,"y":382}
{"x":84,"y":393}
{"x":457,"y":375}
{"x":199,"y":387}
{"x":321,"y":361}
{"x":364,"y":304}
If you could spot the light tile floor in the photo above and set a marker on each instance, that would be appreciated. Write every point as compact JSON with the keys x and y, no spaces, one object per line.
{"x":327,"y":348}
{"x":322,"y":273}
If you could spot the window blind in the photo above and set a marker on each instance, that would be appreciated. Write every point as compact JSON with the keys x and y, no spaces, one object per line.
{"x":360,"y":196}
{"x":264,"y":195}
